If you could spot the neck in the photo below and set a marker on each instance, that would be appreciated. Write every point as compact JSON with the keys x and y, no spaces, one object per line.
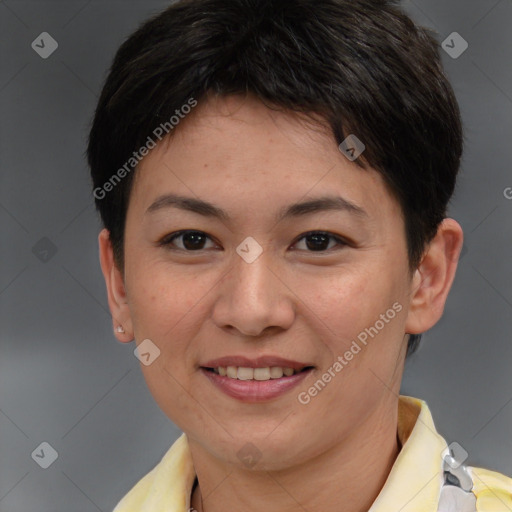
{"x":351,"y":473}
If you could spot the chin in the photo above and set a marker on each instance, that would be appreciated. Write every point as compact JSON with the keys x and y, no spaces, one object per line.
{"x":269,"y":452}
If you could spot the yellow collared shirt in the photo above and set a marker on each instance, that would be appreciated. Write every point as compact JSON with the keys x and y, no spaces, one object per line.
{"x":415,"y":483}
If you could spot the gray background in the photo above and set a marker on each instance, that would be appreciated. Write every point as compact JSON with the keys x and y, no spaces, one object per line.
{"x":64,"y":378}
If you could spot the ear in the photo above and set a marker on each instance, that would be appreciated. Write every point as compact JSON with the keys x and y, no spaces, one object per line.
{"x":433,"y":278}
{"x":116,"y":292}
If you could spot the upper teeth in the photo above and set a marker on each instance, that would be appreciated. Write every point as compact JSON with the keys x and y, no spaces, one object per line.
{"x":244,"y":373}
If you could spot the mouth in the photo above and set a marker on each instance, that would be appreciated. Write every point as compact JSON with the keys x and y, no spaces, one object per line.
{"x":259,"y":373}
{"x":259,"y":380}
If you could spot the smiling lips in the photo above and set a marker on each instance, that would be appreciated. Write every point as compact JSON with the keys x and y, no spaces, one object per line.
{"x":255,"y":380}
{"x":246,"y":373}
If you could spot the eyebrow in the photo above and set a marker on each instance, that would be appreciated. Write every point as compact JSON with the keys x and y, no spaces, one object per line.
{"x":320,"y":204}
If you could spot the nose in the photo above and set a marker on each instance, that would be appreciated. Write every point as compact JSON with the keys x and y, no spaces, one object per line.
{"x":253,"y":298}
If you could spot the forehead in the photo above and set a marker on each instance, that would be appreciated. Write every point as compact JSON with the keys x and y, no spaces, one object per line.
{"x":240,"y":151}
{"x":228,"y":129}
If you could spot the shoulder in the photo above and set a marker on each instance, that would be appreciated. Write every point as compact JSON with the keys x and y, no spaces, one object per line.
{"x":493,"y":490}
{"x":167,"y":486}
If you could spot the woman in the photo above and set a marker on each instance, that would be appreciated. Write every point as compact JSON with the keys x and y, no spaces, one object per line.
{"x":273,"y":179}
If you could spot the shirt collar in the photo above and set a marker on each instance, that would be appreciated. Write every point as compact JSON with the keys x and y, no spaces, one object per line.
{"x":415,"y":480}
{"x":413,"y":484}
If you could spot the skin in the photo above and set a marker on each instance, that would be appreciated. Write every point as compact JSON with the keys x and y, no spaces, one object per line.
{"x":291,"y":301}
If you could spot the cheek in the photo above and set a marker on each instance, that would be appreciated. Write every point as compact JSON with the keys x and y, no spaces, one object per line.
{"x":352,"y":327}
{"x":169,"y":306}
{"x":364,"y":315}
{"x":160,"y":296}
{"x":349,"y":303}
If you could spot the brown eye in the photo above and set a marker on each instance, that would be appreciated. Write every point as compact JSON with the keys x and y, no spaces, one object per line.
{"x":190,"y":240}
{"x":318,"y":241}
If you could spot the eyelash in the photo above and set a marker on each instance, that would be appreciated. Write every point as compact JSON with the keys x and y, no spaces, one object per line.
{"x":167,"y":240}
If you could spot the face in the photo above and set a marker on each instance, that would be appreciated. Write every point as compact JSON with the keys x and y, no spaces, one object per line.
{"x":264,"y":285}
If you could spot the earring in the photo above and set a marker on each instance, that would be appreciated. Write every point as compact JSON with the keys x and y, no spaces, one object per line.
{"x":120,"y":329}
